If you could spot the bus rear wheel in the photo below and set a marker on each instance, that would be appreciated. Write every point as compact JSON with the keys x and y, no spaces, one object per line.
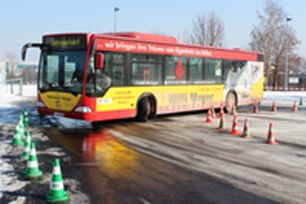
{"x":143,"y":110}
{"x":230,"y":102}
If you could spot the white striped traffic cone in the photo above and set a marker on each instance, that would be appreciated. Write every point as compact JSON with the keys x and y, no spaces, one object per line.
{"x":17,"y":140}
{"x":208,"y":117}
{"x":21,"y":129}
{"x":221,"y":124}
{"x":57,"y":192}
{"x":33,"y":170}
{"x":235,"y":130}
{"x":246,"y":129}
{"x":26,"y":145}
{"x":26,"y":119}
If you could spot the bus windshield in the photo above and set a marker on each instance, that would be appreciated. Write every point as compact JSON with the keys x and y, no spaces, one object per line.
{"x":62,"y":70}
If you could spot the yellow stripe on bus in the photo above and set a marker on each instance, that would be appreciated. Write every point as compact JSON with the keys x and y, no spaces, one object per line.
{"x":59,"y":101}
{"x":166,"y":96}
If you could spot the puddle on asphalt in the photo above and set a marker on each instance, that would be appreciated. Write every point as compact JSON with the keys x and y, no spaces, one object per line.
{"x":109,"y":154}
{"x":97,"y":149}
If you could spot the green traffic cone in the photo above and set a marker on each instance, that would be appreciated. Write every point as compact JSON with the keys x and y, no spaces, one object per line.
{"x":57,"y":192}
{"x":21,"y":116}
{"x":17,"y":140}
{"x":301,"y":101}
{"x":33,"y":170}
{"x":26,"y":120}
{"x":27,"y":144}
{"x":21,"y":129}
{"x":26,"y":134}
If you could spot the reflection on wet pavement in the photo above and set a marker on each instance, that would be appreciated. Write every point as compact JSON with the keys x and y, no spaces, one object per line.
{"x":109,"y":155}
{"x":113,"y":172}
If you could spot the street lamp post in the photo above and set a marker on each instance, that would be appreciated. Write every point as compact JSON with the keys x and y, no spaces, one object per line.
{"x":286,"y":57}
{"x":116,"y":9}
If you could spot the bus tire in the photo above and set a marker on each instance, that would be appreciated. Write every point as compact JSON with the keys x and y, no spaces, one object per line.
{"x":230,"y":101}
{"x":143,"y":110}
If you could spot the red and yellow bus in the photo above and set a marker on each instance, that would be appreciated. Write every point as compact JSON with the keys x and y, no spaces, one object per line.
{"x":98,"y":77}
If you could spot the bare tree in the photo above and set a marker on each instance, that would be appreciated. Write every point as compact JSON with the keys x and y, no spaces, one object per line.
{"x":303,"y":65}
{"x":185,"y":37}
{"x":12,"y":62}
{"x":207,"y":30}
{"x":276,"y":38}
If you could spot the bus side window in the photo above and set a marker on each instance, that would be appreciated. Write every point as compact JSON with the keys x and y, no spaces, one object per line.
{"x":117,"y":69}
{"x":107,"y":64}
{"x":146,"y":70}
{"x":213,"y":71}
{"x":195,"y":70}
{"x":176,"y":70}
{"x":118,"y":75}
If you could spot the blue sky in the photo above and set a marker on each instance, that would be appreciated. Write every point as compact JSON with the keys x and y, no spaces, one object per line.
{"x":24,"y":21}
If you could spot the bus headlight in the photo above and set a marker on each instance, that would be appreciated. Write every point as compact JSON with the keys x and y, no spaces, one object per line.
{"x":40,"y":104}
{"x":83,"y":109}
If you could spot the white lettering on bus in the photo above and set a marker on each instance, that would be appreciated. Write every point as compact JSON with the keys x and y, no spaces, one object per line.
{"x":141,"y":47}
{"x":155,"y":48}
{"x":178,"y":98}
{"x":197,"y":98}
{"x":129,"y":46}
{"x":124,"y":46}
{"x":109,"y":45}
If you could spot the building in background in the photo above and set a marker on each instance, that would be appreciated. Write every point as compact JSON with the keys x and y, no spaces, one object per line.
{"x":296,"y":81}
{"x":28,"y":72}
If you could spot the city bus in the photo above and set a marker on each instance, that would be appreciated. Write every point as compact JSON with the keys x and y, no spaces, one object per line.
{"x":99,"y":77}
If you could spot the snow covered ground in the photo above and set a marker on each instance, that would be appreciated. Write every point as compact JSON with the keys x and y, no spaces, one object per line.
{"x":11,"y":105}
{"x":284,"y":96}
{"x":13,"y":187}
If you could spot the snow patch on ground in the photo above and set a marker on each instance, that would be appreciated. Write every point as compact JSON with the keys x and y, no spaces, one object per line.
{"x":284,"y":96}
{"x":54,"y":151}
{"x":27,"y":90}
{"x":10,"y":183}
{"x":9,"y":180}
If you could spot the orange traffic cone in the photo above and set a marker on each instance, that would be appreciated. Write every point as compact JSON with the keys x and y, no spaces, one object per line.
{"x":208,"y":117}
{"x":235,"y":130}
{"x":255,"y":108}
{"x":221,"y":124}
{"x":274,"y":108}
{"x":234,"y":112}
{"x":246,"y":129}
{"x":270,"y":139}
{"x":213,"y":112}
{"x":294,"y":107}
{"x":221,"y":110}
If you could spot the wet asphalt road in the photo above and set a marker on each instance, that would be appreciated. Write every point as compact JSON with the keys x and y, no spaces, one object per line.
{"x":114,"y":171}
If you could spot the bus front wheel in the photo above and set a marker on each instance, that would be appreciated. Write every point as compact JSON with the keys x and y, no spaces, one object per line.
{"x":230,"y":102}
{"x":143,"y":110}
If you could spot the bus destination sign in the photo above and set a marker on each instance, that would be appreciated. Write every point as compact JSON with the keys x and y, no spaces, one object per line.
{"x":69,"y":42}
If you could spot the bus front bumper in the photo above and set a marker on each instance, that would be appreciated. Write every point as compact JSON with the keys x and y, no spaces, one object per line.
{"x":74,"y":115}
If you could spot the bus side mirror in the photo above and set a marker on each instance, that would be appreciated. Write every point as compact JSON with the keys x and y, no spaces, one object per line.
{"x":99,"y":60}
{"x":29,"y":45}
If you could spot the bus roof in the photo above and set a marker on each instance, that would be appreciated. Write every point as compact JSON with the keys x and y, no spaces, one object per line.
{"x":163,"y":39}
{"x":156,"y":39}
{"x":146,"y":36}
